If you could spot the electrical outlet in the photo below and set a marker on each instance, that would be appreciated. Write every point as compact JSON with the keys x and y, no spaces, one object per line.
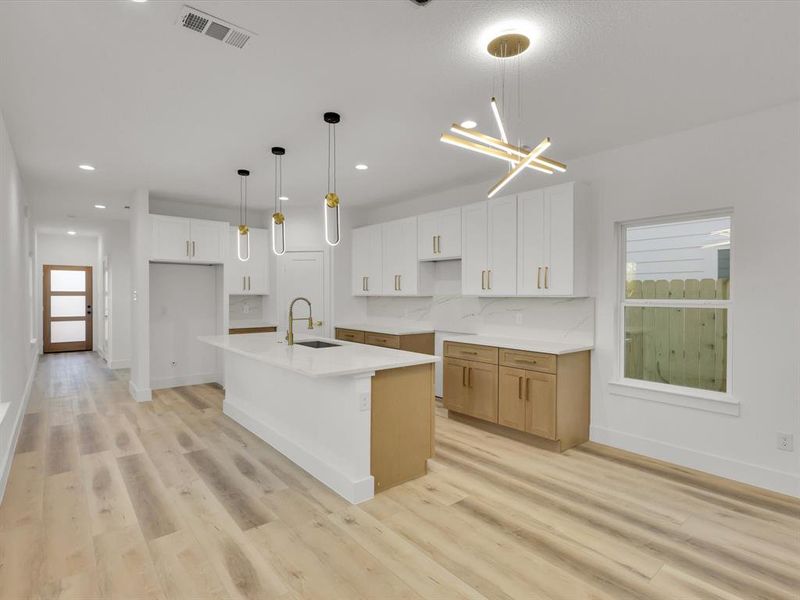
{"x":246,"y":308}
{"x":363,"y":402}
{"x":518,"y":318}
{"x":786,"y":442}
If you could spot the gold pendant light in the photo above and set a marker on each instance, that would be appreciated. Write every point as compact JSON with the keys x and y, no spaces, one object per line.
{"x":243,"y":239}
{"x":278,"y":218}
{"x":519,"y":157}
{"x":333,"y":222}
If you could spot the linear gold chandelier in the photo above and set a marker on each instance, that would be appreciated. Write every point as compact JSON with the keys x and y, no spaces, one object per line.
{"x":519,"y":157}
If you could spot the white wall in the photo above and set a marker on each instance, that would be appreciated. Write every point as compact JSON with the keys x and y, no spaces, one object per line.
{"x":17,"y":352}
{"x":116,"y":248}
{"x":183,"y":306}
{"x":752,"y":165}
{"x":69,"y":250}
{"x":140,"y":293}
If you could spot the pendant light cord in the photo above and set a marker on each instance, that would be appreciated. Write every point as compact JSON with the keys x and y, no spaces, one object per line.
{"x":332,"y":156}
{"x":276,"y":183}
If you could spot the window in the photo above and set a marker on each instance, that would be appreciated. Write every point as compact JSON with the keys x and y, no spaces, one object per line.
{"x":676,"y":303}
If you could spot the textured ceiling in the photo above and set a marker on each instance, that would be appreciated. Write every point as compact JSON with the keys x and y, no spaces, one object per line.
{"x":118,"y":85}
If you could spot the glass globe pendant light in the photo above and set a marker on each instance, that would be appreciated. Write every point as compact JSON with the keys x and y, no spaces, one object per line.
{"x":243,"y":239}
{"x":333,"y":223}
{"x":278,"y":218}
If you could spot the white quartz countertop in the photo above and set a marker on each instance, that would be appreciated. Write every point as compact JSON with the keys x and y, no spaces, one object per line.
{"x":387,"y":329}
{"x":345,"y":359}
{"x":519,"y":343}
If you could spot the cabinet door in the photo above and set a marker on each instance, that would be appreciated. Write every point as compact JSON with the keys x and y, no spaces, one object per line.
{"x":235,"y":270}
{"x":400,"y":257}
{"x":209,"y":239}
{"x":374,"y":261}
{"x":448,"y":241}
{"x":257,"y":268}
{"x":474,"y":242}
{"x":502,"y":247}
{"x":171,"y":239}
{"x":482,"y":391}
{"x":360,"y":260}
{"x":511,"y":398}
{"x":540,"y":395}
{"x":559,"y":239}
{"x":454,"y":393}
{"x":531,"y":255}
{"x":427,"y":230}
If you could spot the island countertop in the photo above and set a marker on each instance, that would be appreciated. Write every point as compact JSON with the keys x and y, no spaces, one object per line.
{"x":344,"y":359}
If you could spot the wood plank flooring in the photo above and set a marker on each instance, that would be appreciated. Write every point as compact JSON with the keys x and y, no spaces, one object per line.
{"x":108,"y":498}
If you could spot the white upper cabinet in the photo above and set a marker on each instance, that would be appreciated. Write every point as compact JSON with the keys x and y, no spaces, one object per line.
{"x":553,"y":233}
{"x":439,"y":235}
{"x":489,"y":248}
{"x":403,"y":275}
{"x":367,"y":261}
{"x":176,"y":239}
{"x":250,"y":277}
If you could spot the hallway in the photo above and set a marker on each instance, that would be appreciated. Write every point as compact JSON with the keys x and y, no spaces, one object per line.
{"x":171,"y":499}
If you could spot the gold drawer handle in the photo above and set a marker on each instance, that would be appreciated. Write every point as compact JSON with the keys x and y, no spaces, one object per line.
{"x":472,"y":353}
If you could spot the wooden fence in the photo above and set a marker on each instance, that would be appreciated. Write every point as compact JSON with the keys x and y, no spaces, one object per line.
{"x":681,"y":346}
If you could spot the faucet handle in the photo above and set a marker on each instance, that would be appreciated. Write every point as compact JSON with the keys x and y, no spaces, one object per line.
{"x":318,"y":323}
{"x":310,"y":323}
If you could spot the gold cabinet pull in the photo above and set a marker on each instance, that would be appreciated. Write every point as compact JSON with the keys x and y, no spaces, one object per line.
{"x":489,"y":279}
{"x":519,"y":391}
{"x":193,"y":249}
{"x":399,"y":283}
{"x":483,"y":280}
{"x":366,"y":279}
{"x":527,"y":396}
{"x":463,"y":376}
{"x":433,"y":240}
{"x":244,"y":285}
{"x":248,"y":283}
{"x":546,"y":283}
{"x":539,"y":278}
{"x":469,"y":376}
{"x":187,"y":247}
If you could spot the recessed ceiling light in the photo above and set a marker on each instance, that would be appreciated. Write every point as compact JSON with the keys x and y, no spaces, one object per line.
{"x":469,"y":124}
{"x":70,"y":232}
{"x":283,"y":198}
{"x":99,"y":205}
{"x":362,"y":167}
{"x":138,"y":0}
{"x":86,"y":167}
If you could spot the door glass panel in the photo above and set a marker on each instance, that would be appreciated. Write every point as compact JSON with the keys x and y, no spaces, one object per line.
{"x":67,"y":331}
{"x":67,"y":306}
{"x":67,"y":281}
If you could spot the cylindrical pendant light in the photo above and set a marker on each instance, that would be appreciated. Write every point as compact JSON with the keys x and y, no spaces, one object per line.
{"x":243,"y":239}
{"x":331,"y":208}
{"x":278,"y":218}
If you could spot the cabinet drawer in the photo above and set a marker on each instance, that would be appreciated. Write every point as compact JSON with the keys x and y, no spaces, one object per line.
{"x":485,"y":354}
{"x":379,"y":339}
{"x":350,"y":335}
{"x":534,"y":361}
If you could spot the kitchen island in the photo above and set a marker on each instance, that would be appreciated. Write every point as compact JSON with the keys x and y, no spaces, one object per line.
{"x":358,"y":418}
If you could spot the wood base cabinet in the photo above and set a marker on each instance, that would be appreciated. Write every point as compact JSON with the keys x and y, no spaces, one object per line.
{"x":541,"y":395}
{"x":416,"y":342}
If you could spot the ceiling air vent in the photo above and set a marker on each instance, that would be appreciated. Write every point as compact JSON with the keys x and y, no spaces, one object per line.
{"x":201,"y":22}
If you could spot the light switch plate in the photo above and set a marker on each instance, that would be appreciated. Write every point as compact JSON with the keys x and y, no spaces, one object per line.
{"x":363,"y":402}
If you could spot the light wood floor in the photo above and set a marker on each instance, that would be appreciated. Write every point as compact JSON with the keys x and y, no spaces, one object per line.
{"x":170,"y":499}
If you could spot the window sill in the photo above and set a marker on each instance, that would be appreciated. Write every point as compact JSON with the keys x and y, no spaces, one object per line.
{"x":715,"y":402}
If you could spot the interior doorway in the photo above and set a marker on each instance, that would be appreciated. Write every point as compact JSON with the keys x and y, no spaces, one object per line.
{"x":303,"y":274}
{"x":67,"y":319}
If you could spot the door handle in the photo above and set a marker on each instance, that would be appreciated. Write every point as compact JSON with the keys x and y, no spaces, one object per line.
{"x":193,"y":249}
{"x":539,"y":278}
{"x":546,"y":282}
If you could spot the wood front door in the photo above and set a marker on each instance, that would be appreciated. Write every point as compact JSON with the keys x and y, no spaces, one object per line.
{"x":67,"y":322}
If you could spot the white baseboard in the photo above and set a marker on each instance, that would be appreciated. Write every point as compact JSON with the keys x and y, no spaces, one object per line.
{"x":8,"y":453}
{"x":139,"y":394}
{"x":180,"y":380}
{"x":350,"y":490}
{"x":119,"y":364}
{"x":777,"y":481}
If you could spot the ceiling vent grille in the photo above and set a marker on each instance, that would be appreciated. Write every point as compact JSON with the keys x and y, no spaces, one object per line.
{"x":218,"y":29}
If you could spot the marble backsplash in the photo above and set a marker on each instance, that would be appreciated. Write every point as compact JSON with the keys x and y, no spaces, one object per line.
{"x":249,"y":311}
{"x":546,"y":319}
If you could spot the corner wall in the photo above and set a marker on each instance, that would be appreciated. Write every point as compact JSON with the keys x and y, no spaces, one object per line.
{"x":18,"y":354}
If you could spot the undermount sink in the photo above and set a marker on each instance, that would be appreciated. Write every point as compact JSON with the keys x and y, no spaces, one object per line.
{"x":317,"y":344}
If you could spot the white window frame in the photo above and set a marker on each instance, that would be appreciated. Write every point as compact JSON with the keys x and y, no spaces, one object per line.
{"x":708,"y":400}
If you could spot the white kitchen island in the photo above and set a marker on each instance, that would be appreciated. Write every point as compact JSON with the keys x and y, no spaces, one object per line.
{"x":358,"y":418}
